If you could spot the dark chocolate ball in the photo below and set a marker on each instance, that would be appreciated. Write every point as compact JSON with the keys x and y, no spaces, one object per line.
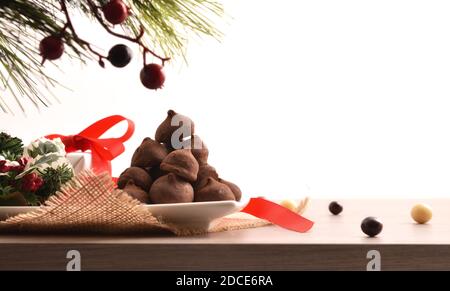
{"x":335,"y":208}
{"x":371,"y":226}
{"x":120,"y":55}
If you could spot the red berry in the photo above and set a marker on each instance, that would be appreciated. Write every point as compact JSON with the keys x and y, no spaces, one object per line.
{"x":115,"y":11}
{"x":51,"y":47}
{"x":23,"y":161}
{"x":152,"y":76}
{"x":3,"y":167}
{"x":32,"y":182}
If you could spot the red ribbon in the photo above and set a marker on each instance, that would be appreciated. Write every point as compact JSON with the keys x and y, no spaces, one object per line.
{"x":103,"y":150}
{"x":277,"y":214}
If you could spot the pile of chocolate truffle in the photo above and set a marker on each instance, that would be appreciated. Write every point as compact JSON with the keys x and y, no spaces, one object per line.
{"x":159,"y":173}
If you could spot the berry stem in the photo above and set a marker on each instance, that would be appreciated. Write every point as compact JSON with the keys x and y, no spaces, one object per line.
{"x":137,"y":39}
{"x":63,"y":30}
{"x":69,"y":25}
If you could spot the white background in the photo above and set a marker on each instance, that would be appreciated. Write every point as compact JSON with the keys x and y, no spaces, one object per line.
{"x":320,"y":98}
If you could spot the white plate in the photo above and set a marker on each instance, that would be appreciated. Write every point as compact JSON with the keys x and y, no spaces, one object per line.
{"x":193,"y":215}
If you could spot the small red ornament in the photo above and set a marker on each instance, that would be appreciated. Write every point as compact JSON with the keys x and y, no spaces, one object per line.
{"x":23,"y":161}
{"x":3,"y":167}
{"x":152,"y":76}
{"x":32,"y":182}
{"x":51,"y":47}
{"x":115,"y":11}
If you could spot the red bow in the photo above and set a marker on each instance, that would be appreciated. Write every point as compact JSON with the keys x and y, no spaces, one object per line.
{"x":103,"y":150}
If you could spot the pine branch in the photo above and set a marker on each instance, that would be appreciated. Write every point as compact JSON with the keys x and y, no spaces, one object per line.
{"x":22,"y":24}
{"x":171,"y":22}
{"x":54,"y":178}
{"x":161,"y":24}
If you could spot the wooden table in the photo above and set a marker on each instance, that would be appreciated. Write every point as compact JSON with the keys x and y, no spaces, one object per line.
{"x":334,"y":243}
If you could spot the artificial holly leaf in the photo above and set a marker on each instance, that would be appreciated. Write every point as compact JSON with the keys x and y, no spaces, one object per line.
{"x":42,"y":149}
{"x":39,"y":163}
{"x":10,"y":147}
{"x":47,"y":159}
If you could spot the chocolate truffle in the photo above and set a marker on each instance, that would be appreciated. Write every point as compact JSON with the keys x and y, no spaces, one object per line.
{"x":173,"y":122}
{"x":204,"y":172}
{"x":171,"y":189}
{"x":182,"y":163}
{"x":213,"y":191}
{"x":136,"y":192}
{"x":149,"y":154}
{"x":155,"y":172}
{"x":233,"y":187}
{"x":139,"y":177}
{"x":198,"y":149}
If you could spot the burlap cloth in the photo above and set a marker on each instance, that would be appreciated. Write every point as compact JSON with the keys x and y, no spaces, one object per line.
{"x":91,"y":204}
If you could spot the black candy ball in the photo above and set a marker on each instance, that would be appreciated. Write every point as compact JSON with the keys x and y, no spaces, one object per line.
{"x":371,"y":226}
{"x":335,"y":208}
{"x":120,"y":55}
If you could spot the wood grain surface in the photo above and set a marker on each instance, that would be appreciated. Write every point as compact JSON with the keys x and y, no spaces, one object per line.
{"x":334,"y":243}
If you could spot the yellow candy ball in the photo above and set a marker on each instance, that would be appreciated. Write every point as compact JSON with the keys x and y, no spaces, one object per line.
{"x":289,"y":204}
{"x":421,"y":213}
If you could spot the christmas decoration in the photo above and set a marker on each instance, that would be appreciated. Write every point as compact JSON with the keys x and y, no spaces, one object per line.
{"x":28,"y":176}
{"x":164,"y":25}
{"x":10,"y":147}
{"x":120,"y":55}
{"x":152,"y":76}
{"x":102,"y":150}
{"x":51,"y":48}
{"x":32,"y":182}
